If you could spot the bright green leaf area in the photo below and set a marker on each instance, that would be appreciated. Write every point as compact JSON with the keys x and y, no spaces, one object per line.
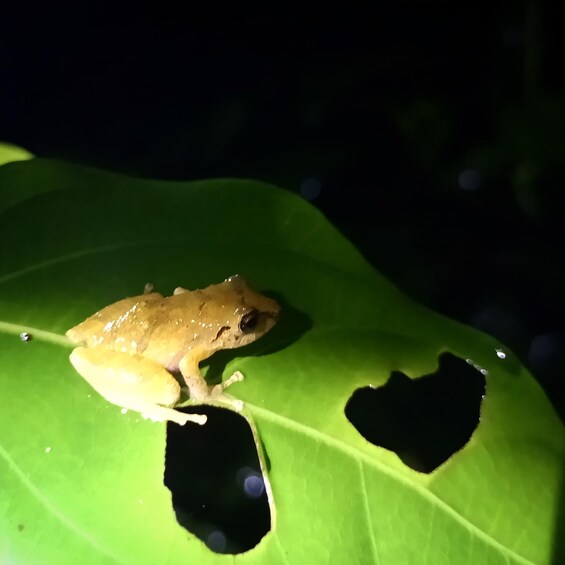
{"x":80,"y":482}
{"x":10,"y":153}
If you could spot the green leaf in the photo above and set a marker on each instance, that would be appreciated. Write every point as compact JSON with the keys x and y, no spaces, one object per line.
{"x":10,"y":153}
{"x":81,"y":482}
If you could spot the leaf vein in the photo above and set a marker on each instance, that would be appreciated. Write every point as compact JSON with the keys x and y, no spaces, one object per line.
{"x":36,"y":333}
{"x":339,"y":445}
{"x":46,"y":503}
{"x":369,"y":518}
{"x":64,"y":258}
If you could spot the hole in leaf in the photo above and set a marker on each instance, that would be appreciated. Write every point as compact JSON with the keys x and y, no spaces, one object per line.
{"x":217,"y":487}
{"x":424,"y":420}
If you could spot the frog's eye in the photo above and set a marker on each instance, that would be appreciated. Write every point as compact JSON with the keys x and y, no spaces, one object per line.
{"x":249,"y":321}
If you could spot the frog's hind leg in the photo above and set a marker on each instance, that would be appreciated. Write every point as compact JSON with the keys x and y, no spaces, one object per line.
{"x":132,"y":382}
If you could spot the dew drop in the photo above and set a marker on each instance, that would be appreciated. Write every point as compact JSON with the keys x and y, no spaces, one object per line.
{"x":500,"y":353}
{"x":25,"y":336}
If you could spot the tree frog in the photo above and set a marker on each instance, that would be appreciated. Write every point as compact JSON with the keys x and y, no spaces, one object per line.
{"x":133,"y":347}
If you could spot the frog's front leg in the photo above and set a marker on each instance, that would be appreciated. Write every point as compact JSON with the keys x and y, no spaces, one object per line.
{"x":218,"y":390}
{"x":198,"y":387}
{"x":133,"y":382}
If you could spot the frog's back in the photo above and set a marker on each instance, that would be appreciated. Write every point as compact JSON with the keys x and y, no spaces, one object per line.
{"x":114,"y":318}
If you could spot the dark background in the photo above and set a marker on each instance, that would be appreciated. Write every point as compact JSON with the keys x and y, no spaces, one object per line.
{"x":433,"y":139}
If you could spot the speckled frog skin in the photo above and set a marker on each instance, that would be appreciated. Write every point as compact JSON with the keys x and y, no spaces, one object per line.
{"x":131,"y":348}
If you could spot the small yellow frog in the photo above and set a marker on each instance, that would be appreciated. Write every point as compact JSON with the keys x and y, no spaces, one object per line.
{"x":133,"y":346}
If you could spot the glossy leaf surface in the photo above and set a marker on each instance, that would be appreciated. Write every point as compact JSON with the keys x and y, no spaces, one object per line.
{"x":82,"y":482}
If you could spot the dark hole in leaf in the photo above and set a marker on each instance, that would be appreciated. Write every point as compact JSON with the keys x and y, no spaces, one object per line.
{"x":214,"y":476}
{"x":425,"y":420}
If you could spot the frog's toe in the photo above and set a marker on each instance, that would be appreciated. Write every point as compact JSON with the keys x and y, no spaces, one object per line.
{"x":235,"y":378}
{"x":162,"y":413}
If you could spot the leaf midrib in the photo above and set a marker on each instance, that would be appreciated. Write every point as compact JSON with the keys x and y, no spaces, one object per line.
{"x":356,"y":454}
{"x":35,"y":333}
